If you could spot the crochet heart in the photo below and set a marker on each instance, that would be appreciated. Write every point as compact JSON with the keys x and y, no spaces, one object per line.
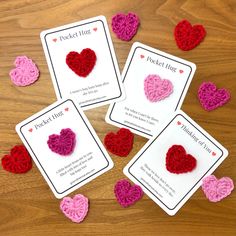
{"x":25,"y":73}
{"x":125,"y":26}
{"x":210,"y":97}
{"x":216,"y":190}
{"x":62,"y":144}
{"x":157,"y":89}
{"x":178,"y":161}
{"x":120,"y":143}
{"x":187,"y":36}
{"x":75,"y":209}
{"x":18,"y":161}
{"x":126,"y":194}
{"x":81,"y":63}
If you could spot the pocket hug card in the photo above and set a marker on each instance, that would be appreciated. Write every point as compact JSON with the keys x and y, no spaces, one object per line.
{"x":155,"y":83}
{"x":82,"y":62}
{"x":170,"y":166}
{"x":64,"y":146}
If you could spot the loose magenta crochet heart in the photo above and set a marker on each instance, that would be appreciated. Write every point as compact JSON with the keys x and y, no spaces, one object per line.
{"x":178,"y":161}
{"x":81,"y":63}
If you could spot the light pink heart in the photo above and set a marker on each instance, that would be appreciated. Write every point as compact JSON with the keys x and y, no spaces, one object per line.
{"x":157,"y":89}
{"x":75,"y":209}
{"x":216,"y":190}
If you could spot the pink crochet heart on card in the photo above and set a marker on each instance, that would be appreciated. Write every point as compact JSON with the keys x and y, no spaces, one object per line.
{"x":75,"y":209}
{"x":215,"y":190}
{"x":126,"y":194}
{"x":210,"y":97}
{"x":25,"y":73}
{"x":62,"y":144}
{"x":125,"y":26}
{"x":157,"y":89}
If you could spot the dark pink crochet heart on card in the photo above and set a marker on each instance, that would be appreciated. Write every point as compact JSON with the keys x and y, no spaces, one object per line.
{"x":62,"y":144}
{"x":126,"y":194}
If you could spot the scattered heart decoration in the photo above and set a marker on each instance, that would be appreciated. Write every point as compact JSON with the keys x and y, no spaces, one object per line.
{"x":125,"y":26}
{"x":54,"y":40}
{"x":25,"y":73}
{"x":178,"y":161}
{"x":210,"y":97}
{"x":126,"y":194}
{"x":157,"y":89}
{"x":75,"y":208}
{"x":18,"y":161}
{"x":120,"y":143}
{"x":64,"y":143}
{"x":81,"y":63}
{"x":217,"y":189}
{"x":187,"y":36}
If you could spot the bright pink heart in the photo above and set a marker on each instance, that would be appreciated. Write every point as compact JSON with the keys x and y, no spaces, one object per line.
{"x":157,"y":89}
{"x":62,"y":144}
{"x":126,"y":194}
{"x":215,"y":190}
{"x":75,"y":209}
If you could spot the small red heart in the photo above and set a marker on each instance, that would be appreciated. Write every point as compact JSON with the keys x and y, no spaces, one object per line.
{"x":54,"y":40}
{"x":18,"y":161}
{"x":178,"y":123}
{"x":81,"y":63}
{"x":187,"y":36}
{"x":213,"y":153}
{"x":181,"y":71}
{"x":120,"y":143}
{"x":142,"y":56}
{"x":178,"y":161}
{"x":67,"y":109}
{"x":95,"y":29}
{"x":30,"y":130}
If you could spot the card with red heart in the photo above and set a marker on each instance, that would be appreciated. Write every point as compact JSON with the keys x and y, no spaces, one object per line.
{"x":64,"y":146}
{"x":156,"y":84}
{"x":82,"y":62}
{"x":171,"y":166}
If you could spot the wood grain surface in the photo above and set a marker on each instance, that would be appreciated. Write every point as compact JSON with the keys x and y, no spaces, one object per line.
{"x":27,"y":206}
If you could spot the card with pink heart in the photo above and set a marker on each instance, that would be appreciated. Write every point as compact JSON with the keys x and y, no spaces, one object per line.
{"x":156,"y":84}
{"x":64,"y":146}
{"x":172,"y":165}
{"x":82,"y":62}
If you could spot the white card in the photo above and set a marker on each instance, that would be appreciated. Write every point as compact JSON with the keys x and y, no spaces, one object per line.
{"x":148,"y":168}
{"x":64,"y":174}
{"x":103,"y":84}
{"x":136,"y":112}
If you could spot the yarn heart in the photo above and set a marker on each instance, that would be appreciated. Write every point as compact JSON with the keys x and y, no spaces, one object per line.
{"x":62,"y":144}
{"x":75,"y":209}
{"x":81,"y":63}
{"x":126,"y":194}
{"x":157,"y":89}
{"x":125,"y":26}
{"x":18,"y":161}
{"x":210,"y":97}
{"x":120,"y":143}
{"x":187,"y":36}
{"x":216,"y":190}
{"x":25,"y":73}
{"x":178,"y":161}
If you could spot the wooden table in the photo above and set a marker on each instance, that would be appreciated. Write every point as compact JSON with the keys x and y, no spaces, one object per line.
{"x":27,"y":206}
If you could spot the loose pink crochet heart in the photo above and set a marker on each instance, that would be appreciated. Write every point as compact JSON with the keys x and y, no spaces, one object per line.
{"x":215,"y":190}
{"x":62,"y":144}
{"x":25,"y":73}
{"x":210,"y":97}
{"x":125,"y":26}
{"x":157,"y":89}
{"x":75,"y":209}
{"x":126,"y":194}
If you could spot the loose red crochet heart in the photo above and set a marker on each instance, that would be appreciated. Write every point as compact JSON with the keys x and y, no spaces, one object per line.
{"x":178,"y":161}
{"x":18,"y":161}
{"x":81,"y":63}
{"x":187,"y":36}
{"x":120,"y":143}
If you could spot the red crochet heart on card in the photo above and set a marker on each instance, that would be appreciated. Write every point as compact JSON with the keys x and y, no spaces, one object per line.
{"x":81,"y":63}
{"x":178,"y":161}
{"x":18,"y":161}
{"x":120,"y":143}
{"x":187,"y":36}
